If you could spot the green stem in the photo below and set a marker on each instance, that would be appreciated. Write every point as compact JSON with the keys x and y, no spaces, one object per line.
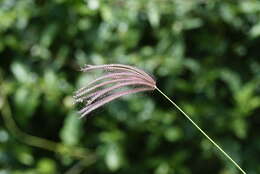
{"x":11,"y":126}
{"x":212,"y":141}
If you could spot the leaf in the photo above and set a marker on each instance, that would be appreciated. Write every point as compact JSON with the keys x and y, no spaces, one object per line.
{"x":26,"y":101}
{"x":255,"y":31}
{"x":113,"y":158}
{"x":72,"y":130}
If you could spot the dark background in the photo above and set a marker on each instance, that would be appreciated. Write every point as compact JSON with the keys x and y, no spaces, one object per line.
{"x":203,"y":54}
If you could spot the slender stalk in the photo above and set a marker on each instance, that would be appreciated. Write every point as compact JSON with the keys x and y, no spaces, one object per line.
{"x":76,"y":152}
{"x":212,"y":141}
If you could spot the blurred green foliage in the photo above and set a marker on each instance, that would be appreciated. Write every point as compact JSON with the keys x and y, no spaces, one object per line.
{"x":204,"y":55}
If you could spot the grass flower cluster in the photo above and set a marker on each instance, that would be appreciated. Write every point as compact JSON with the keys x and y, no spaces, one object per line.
{"x":111,"y":85}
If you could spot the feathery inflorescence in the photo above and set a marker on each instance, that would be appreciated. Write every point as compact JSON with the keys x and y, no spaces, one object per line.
{"x":114,"y":83}
{"x":111,"y":85}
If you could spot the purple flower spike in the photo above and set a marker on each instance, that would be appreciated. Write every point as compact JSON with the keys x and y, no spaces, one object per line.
{"x":111,"y":85}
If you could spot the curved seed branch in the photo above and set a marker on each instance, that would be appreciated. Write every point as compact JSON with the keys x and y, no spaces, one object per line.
{"x":102,"y":92}
{"x":87,"y":90}
{"x":107,"y":77}
{"x":105,"y":100}
{"x":118,"y":67}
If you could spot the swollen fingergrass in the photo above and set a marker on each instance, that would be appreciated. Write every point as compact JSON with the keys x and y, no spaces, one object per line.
{"x":99,"y":92}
